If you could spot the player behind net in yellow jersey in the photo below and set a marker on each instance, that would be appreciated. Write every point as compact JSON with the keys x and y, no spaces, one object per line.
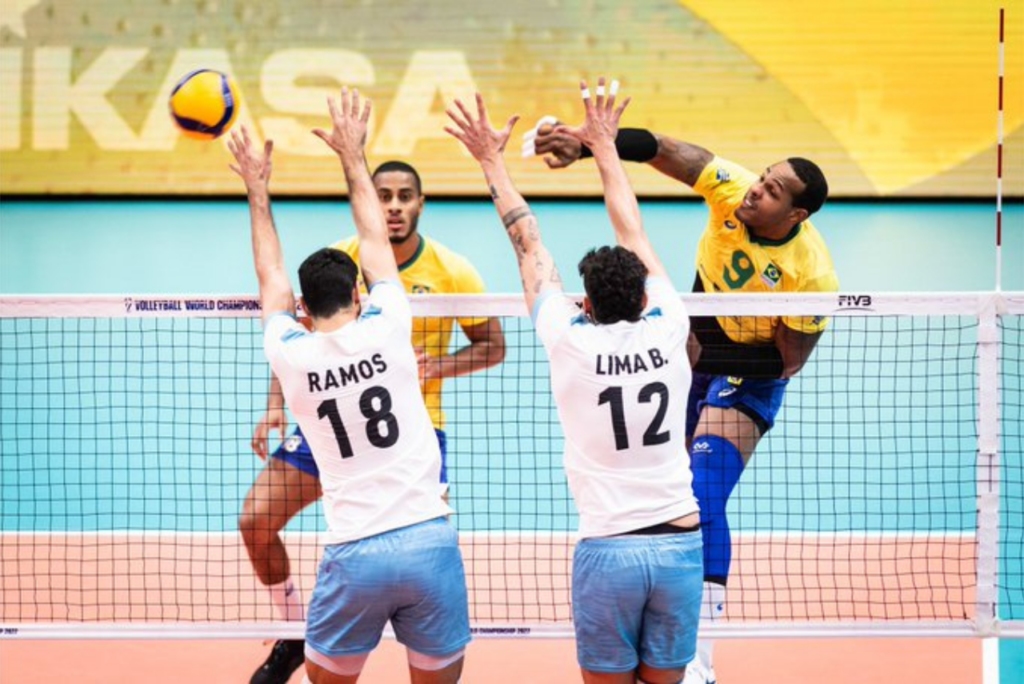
{"x":759,"y":238}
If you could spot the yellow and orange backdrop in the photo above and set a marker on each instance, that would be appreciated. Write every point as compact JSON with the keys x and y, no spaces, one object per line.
{"x":892,"y":98}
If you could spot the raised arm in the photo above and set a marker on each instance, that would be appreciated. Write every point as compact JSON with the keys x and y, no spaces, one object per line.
{"x":254,"y":168}
{"x":600,"y":125}
{"x":348,"y":139}
{"x":486,"y":144}
{"x":680,"y":160}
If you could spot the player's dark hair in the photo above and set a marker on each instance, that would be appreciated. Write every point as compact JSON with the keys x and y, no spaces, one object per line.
{"x":614,"y":279}
{"x":402,"y":167}
{"x":815,"y":186}
{"x":327,"y":278}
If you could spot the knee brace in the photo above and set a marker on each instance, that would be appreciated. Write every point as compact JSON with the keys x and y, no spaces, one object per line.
{"x":717,"y":465}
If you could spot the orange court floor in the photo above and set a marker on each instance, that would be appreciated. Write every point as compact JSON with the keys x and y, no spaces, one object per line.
{"x":497,"y":661}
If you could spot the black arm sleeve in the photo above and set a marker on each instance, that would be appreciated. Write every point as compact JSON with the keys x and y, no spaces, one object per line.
{"x":720,"y":355}
{"x":633,"y":144}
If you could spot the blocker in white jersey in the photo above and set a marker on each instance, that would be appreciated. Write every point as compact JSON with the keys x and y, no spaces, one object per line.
{"x":372,"y":438}
{"x":621,"y":392}
{"x":620,"y":374}
{"x":352,"y":381}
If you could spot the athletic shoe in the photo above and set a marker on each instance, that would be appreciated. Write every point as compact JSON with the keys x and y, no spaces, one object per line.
{"x":696,"y":673}
{"x":285,"y":658}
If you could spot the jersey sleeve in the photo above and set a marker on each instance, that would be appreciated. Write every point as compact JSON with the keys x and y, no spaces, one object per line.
{"x":388,"y":301}
{"x":553,"y":314}
{"x":279,"y":330}
{"x":723,"y":184}
{"x":466,"y":280}
{"x":665,"y":309}
{"x":813,"y":324}
{"x":662,"y":296}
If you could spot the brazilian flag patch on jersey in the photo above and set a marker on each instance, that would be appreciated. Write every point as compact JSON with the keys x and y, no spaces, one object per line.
{"x":771,"y":275}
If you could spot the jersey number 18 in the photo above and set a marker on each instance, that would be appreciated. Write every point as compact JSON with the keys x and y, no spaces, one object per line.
{"x":378,"y":417}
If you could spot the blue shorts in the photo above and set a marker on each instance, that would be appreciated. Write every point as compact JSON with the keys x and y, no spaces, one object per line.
{"x":636,"y":598}
{"x":295,"y":452}
{"x":759,"y":400}
{"x":412,"y":576}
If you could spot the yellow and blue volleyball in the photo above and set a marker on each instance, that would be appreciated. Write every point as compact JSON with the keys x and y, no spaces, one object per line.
{"x":204,"y":104}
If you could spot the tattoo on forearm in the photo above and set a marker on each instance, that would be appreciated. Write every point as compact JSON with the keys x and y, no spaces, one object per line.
{"x":519,"y":244}
{"x":515,"y":214}
{"x":494,"y":193}
{"x":538,"y":265}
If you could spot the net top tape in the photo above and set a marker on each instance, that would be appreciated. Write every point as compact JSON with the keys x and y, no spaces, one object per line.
{"x":513,"y":305}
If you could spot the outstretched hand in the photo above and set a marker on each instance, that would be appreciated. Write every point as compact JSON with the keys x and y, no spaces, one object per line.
{"x":348,"y":135}
{"x":558,"y":148}
{"x":253,"y":167}
{"x":482,"y":141}
{"x":601,"y":124}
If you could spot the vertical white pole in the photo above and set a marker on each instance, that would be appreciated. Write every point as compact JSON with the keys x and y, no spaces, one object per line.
{"x":987,"y":599}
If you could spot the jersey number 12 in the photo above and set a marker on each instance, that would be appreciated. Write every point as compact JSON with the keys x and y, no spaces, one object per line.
{"x":652,"y":436}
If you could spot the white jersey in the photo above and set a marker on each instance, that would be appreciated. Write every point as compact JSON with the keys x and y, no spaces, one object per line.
{"x":355,"y":394}
{"x":621,"y":392}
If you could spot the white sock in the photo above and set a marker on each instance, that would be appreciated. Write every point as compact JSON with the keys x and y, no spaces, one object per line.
{"x":712,"y":609}
{"x":288,"y":599}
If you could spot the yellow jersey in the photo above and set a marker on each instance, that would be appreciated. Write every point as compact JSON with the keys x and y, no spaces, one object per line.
{"x":432,"y":269}
{"x":730,"y":259}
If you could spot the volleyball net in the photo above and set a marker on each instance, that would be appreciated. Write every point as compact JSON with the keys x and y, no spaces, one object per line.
{"x":888,"y":498}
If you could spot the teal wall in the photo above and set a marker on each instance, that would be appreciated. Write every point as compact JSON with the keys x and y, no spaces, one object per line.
{"x":203,"y":247}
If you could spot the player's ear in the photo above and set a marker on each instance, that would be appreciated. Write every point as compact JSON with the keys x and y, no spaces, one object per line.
{"x":588,"y":308}
{"x":798,"y":215}
{"x":355,"y":295}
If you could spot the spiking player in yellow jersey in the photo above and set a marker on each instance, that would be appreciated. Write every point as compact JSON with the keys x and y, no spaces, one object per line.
{"x":290,"y":480}
{"x":759,"y":238}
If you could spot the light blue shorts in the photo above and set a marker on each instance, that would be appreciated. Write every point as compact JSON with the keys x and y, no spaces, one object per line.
{"x":636,"y":598}
{"x":412,"y":576}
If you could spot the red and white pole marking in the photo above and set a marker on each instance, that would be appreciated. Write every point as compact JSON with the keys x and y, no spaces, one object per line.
{"x":999,"y":159}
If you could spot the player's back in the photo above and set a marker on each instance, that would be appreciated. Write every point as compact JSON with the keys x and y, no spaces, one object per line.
{"x":355,"y":393}
{"x":621,"y":394}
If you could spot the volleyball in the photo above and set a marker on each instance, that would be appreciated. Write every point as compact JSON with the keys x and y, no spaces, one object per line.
{"x":204,"y":104}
